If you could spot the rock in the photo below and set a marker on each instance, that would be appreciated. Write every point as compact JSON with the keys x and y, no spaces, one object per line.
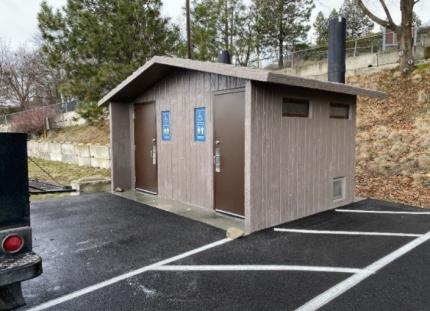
{"x":421,"y":179}
{"x":417,"y":77}
{"x":395,"y":136}
{"x":92,"y":184}
{"x":397,"y":75}
{"x":426,"y":181}
{"x":424,"y":162}
{"x":422,"y":125}
{"x":234,"y":233}
{"x":423,"y":97}
{"x":384,"y":166}
{"x":381,"y":132}
{"x":418,"y":178}
{"x":425,"y":142}
{"x":399,"y":149}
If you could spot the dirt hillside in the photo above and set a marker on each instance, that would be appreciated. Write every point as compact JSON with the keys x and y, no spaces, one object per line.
{"x":393,"y":137}
{"x":85,"y":134}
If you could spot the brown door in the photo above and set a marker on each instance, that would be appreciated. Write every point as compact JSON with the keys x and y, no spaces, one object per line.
{"x":145,"y":138}
{"x":229,"y":157}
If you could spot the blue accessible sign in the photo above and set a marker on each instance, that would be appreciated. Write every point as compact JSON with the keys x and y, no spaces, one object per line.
{"x":165,"y":125}
{"x":200,"y":124}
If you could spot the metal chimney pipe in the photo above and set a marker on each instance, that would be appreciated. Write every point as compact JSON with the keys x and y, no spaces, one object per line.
{"x":336,"y":49}
{"x":224,"y":57}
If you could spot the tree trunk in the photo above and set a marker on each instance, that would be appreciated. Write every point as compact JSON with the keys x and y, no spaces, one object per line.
{"x":406,"y":38}
{"x":226,"y":26}
{"x":404,"y":31}
{"x":281,"y":54}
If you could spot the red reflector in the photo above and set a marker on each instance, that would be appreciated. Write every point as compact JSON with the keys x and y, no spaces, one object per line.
{"x":13,"y":243}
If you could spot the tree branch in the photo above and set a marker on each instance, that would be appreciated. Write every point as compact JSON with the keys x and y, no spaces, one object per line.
{"x":375,"y":18}
{"x":387,"y":13}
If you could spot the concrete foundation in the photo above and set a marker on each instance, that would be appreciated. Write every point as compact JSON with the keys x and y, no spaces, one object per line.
{"x":234,"y":225}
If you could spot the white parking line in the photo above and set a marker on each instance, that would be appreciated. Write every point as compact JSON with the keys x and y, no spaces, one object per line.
{"x":257,"y":268}
{"x":92,"y":288}
{"x":380,"y":212}
{"x":347,"y":232}
{"x":342,"y":287}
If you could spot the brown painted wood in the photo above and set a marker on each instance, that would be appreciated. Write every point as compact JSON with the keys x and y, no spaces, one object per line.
{"x":294,"y":160}
{"x":161,"y":66}
{"x":229,"y":147}
{"x":145,"y":135}
{"x":185,"y":167}
{"x":122,"y":148}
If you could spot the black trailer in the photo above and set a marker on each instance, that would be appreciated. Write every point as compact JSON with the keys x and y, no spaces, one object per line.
{"x":17,"y":260}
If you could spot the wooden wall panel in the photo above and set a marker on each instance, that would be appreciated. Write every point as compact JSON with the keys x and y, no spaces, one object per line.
{"x":185,"y":169}
{"x":122,"y":148}
{"x":294,"y":160}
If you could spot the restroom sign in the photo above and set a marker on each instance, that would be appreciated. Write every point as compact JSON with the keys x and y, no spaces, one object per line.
{"x":200,"y":124}
{"x":165,"y":125}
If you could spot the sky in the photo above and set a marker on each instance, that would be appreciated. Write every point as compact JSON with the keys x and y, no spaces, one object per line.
{"x":18,"y":18}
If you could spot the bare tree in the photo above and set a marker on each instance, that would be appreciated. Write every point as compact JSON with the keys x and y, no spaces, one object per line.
{"x":403,"y":31}
{"x":26,"y":79}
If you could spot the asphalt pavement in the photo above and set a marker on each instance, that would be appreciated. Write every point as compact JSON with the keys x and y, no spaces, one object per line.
{"x":102,"y":252}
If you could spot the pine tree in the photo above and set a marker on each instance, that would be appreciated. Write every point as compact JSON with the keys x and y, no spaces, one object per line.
{"x":97,"y":43}
{"x":222,"y":25}
{"x":321,"y":29}
{"x":357,"y":23}
{"x":283,"y":23}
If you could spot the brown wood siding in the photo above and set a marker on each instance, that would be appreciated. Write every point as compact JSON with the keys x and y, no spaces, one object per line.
{"x":185,"y":169}
{"x":121,"y":146}
{"x":293,"y":161}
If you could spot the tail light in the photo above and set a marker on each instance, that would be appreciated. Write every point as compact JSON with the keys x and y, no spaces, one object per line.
{"x":12,"y":243}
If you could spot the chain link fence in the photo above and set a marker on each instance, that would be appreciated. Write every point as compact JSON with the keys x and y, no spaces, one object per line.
{"x":356,"y":47}
{"x":371,"y":44}
{"x":58,"y":108}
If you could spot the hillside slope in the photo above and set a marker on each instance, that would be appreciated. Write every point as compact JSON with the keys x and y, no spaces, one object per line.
{"x":393,"y":137}
{"x":85,"y":134}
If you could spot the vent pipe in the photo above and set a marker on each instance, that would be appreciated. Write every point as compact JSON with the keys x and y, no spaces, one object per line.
{"x":224,"y":57}
{"x":336,"y":49}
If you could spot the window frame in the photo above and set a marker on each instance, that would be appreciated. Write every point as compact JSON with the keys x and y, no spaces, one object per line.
{"x":348,"y":106}
{"x":286,"y":100}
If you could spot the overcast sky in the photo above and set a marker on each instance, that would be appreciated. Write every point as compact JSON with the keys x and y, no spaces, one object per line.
{"x":18,"y":18}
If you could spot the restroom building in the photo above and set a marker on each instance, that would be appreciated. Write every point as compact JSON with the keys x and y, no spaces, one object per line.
{"x":250,"y":143}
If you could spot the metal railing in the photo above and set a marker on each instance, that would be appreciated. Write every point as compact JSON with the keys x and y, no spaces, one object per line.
{"x":354,"y":47}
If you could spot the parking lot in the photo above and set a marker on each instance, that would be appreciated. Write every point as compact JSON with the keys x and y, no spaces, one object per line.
{"x":102,"y":252}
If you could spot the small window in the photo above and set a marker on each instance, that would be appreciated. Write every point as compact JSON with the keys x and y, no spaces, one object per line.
{"x":339,"y":188}
{"x":339,"y":111}
{"x":292,"y":107}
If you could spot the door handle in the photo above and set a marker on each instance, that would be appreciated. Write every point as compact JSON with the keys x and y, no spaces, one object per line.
{"x":217,"y":159}
{"x":153,"y":153}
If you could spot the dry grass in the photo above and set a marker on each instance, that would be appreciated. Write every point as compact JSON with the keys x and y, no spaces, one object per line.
{"x":391,"y":135}
{"x":62,"y":173}
{"x":95,"y":134}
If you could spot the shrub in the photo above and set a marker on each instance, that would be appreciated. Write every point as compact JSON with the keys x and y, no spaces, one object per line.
{"x":32,"y":121}
{"x":91,"y":112}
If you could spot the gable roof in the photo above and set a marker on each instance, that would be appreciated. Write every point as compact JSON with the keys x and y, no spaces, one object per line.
{"x":160,"y":66}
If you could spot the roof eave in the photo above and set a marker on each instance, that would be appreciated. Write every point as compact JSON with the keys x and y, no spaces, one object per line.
{"x":243,"y":73}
